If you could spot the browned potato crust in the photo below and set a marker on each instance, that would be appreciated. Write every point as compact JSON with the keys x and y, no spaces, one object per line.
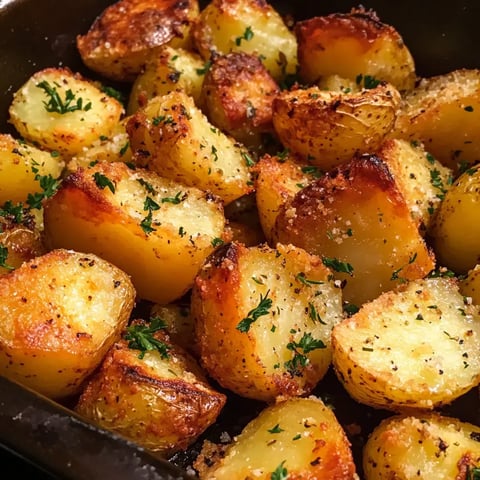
{"x":284,"y":348}
{"x":352,"y":44}
{"x":237,"y":97}
{"x":356,"y":217}
{"x":328,"y":127}
{"x":61,"y":313}
{"x":125,"y":34}
{"x":163,"y":404}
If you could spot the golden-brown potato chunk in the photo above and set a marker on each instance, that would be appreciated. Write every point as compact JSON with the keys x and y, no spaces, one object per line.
{"x":263,"y":319}
{"x":21,"y":167}
{"x":353,"y":44}
{"x":421,"y":178}
{"x":250,"y":26}
{"x":443,"y":112}
{"x":422,"y":446}
{"x":237,"y":97}
{"x":168,"y":70}
{"x":62,"y":111}
{"x":156,"y":230}
{"x":121,"y":39}
{"x":328,"y":127}
{"x":298,"y":438}
{"x":413,"y":348}
{"x":60,"y":313}
{"x":470,"y":286}
{"x":159,"y":399}
{"x":357,"y":220}
{"x":455,"y":232}
{"x":172,"y":137}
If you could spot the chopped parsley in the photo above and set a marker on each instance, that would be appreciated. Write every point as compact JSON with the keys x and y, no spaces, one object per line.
{"x":11,"y":211}
{"x":148,"y":186}
{"x":437,"y":182}
{"x":276,"y":429}
{"x":103,"y":181}
{"x":217,"y":241}
{"x":114,"y":93}
{"x":140,"y":337}
{"x":307,"y":281}
{"x":248,"y":159}
{"x":247,"y":36}
{"x":314,"y":315}
{"x":3,"y":258}
{"x":56,"y":104}
{"x":280,"y":473}
{"x":124,"y":149}
{"x":395,"y":274}
{"x":204,"y":69}
{"x":253,"y":315}
{"x":178,"y":198}
{"x":368,"y":81}
{"x":49,"y":186}
{"x":337,"y":265}
{"x":312,"y":170}
{"x":473,"y":473}
{"x":306,"y":345}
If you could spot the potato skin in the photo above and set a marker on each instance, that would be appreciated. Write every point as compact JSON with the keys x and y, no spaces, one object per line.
{"x":161,"y":404}
{"x":267,"y":359}
{"x":328,"y":127}
{"x":455,"y":232}
{"x":85,"y":216}
{"x":422,"y":446}
{"x":62,"y":311}
{"x":352,"y":44}
{"x":309,"y":441}
{"x":127,"y":32}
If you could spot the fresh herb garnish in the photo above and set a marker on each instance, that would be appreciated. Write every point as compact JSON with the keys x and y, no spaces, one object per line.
{"x":368,"y":81}
{"x":103,"y":181}
{"x":11,"y":211}
{"x":280,"y":473}
{"x":395,"y":274}
{"x":140,"y":337}
{"x":179,"y":197}
{"x":216,"y":242}
{"x":306,"y":344}
{"x":276,"y":429}
{"x":314,"y":315}
{"x":56,"y":104}
{"x":247,"y":35}
{"x":307,"y":281}
{"x":248,"y":159}
{"x":204,"y":69}
{"x":253,"y":315}
{"x":49,"y":186}
{"x":337,"y":265}
{"x":3,"y":258}
{"x":114,"y":93}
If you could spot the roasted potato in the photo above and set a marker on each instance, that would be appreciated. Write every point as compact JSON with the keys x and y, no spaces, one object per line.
{"x":353,"y":45}
{"x":470,"y":285}
{"x":61,"y":313}
{"x":172,"y":137}
{"x":22,"y":166}
{"x":168,"y":70}
{"x":154,"y":229}
{"x":127,"y":32}
{"x":443,"y":112}
{"x":422,"y":446}
{"x":61,"y":111}
{"x":237,"y":97}
{"x":328,"y":127}
{"x":422,"y":179}
{"x":455,"y":232}
{"x":158,"y":398}
{"x":250,"y":26}
{"x":263,"y":319}
{"x":412,"y":348}
{"x":298,"y":438}
{"x":357,"y":220}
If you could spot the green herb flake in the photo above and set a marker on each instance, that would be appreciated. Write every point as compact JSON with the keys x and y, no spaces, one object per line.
{"x":276,"y":429}
{"x":307,"y":281}
{"x":217,"y":241}
{"x":148,"y":186}
{"x":124,"y":149}
{"x":140,"y":337}
{"x":312,"y":170}
{"x":214,"y":153}
{"x":181,"y":231}
{"x":103,"y":181}
{"x":298,"y":436}
{"x":281,"y":473}
{"x":314,"y":315}
{"x":13,"y":212}
{"x":3,"y":258}
{"x":56,"y":104}
{"x":350,"y":309}
{"x":306,"y":345}
{"x":247,"y":36}
{"x":146,"y":224}
{"x":178,"y":198}
{"x":368,"y":81}
{"x":54,"y":153}
{"x":468,"y":108}
{"x":248,"y":159}
{"x":337,"y":265}
{"x":49,"y":186}
{"x":149,"y":204}
{"x":253,"y":315}
{"x":206,"y":67}
{"x":114,"y":93}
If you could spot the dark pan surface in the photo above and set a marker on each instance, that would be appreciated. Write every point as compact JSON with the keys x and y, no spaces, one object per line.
{"x":40,"y":33}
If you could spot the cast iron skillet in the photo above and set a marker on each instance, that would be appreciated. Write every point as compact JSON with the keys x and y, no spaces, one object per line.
{"x":40,"y":33}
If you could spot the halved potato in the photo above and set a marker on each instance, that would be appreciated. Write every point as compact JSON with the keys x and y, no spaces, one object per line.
{"x":159,"y":399}
{"x":422,"y":446}
{"x":21,"y":167}
{"x":61,"y":312}
{"x":357,"y":220}
{"x":157,"y":230}
{"x":351,"y":45}
{"x":455,"y":231}
{"x":263,"y":319}
{"x":413,"y":348}
{"x":298,"y":438}
{"x":124,"y":35}
{"x":250,"y":26}
{"x":328,"y":127}
{"x":62,"y":111}
{"x":172,"y":137}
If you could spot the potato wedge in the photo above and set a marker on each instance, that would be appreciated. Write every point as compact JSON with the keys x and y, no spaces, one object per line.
{"x":61,"y":313}
{"x":455,"y":231}
{"x":61,"y":111}
{"x":156,"y":230}
{"x":237,"y":97}
{"x":161,"y":401}
{"x":421,"y":178}
{"x":422,"y":446}
{"x":373,"y":246}
{"x":168,"y":70}
{"x":298,"y":438}
{"x":250,"y":26}
{"x":443,"y":112}
{"x":172,"y":137}
{"x":263,"y":319}
{"x":21,"y":167}
{"x":328,"y":127}
{"x":353,"y":44}
{"x":127,"y":32}
{"x":413,"y":348}
{"x":470,"y":286}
